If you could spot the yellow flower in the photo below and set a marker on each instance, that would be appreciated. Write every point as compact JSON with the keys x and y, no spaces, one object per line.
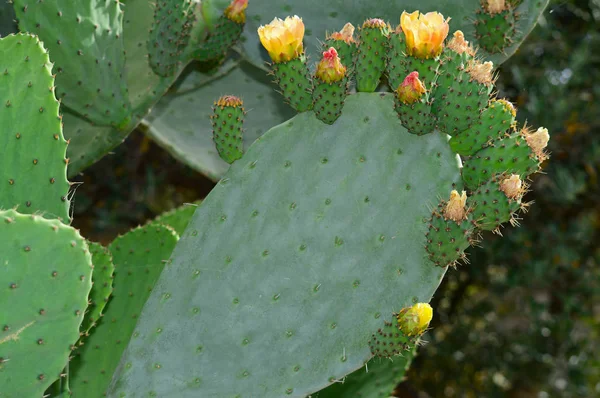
{"x":414,"y":320}
{"x":283,"y":38}
{"x":512,"y":186}
{"x":425,"y":33}
{"x":330,"y":69}
{"x":236,"y":11}
{"x":346,"y":34}
{"x":411,"y":89}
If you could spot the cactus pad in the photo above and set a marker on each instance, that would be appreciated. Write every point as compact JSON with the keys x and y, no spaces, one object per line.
{"x":298,"y":254}
{"x":45,"y":278}
{"x":139,"y":257}
{"x":495,"y":32}
{"x":33,"y":167}
{"x":227,"y":121}
{"x":178,"y":218}
{"x":371,"y":54}
{"x":85,"y":40}
{"x":102,"y":277}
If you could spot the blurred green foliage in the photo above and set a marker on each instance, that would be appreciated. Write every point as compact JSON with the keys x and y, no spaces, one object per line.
{"x":523,"y":318}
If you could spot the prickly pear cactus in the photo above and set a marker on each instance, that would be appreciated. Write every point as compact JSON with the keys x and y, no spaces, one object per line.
{"x":45,"y":279}
{"x":178,"y":218}
{"x":139,"y":257}
{"x":102,"y":279}
{"x":332,"y":232}
{"x":33,"y":167}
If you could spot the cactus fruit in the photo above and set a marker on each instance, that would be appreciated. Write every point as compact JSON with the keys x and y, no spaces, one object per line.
{"x":102,"y":278}
{"x":89,"y":78}
{"x":496,"y":201}
{"x":44,"y":284}
{"x":371,"y":54}
{"x":451,"y":231}
{"x":283,"y":40}
{"x":345,"y":45}
{"x":400,"y":336}
{"x":225,"y":34}
{"x":331,"y":85}
{"x":33,"y":167}
{"x":169,"y":35}
{"x":494,"y":122}
{"x":495,"y":25}
{"x":424,"y":36}
{"x":520,"y":153}
{"x":227,"y":121}
{"x":139,"y":257}
{"x":413,"y":106}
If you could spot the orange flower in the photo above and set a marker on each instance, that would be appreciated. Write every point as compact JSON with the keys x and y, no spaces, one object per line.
{"x":330,"y":69}
{"x":411,"y":89}
{"x":346,"y":34}
{"x":283,"y":38}
{"x":425,"y":33}
{"x":236,"y":11}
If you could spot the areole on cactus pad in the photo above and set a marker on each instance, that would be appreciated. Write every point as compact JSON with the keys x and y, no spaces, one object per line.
{"x":306,"y":259}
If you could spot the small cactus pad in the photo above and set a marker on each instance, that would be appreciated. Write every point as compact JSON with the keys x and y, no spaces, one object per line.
{"x":377,"y":379}
{"x":225,"y":34}
{"x":371,"y":55}
{"x":496,"y":201}
{"x":227,"y":121}
{"x":296,"y":294}
{"x":389,"y":341}
{"x":169,"y":35}
{"x":102,"y":277}
{"x":293,"y":78}
{"x":33,"y":168}
{"x":139,"y":257}
{"x":494,"y":122}
{"x":45,"y":278}
{"x":85,"y":40}
{"x":495,"y":29}
{"x":178,"y":218}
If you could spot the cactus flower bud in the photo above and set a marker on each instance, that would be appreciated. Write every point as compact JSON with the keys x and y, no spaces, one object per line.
{"x":330,"y":69}
{"x":495,"y":6}
{"x":236,"y":11}
{"x":413,"y":321}
{"x":538,"y":141}
{"x":346,"y":34}
{"x":481,"y":72}
{"x":456,"y":209}
{"x":228,"y":100}
{"x":512,"y":186}
{"x":425,"y":33}
{"x":459,"y":45}
{"x":375,"y":23}
{"x":411,"y":89}
{"x":283,"y":38}
{"x":508,"y":106}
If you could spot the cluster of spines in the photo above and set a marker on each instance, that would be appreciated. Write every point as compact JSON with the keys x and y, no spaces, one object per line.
{"x":227,"y":121}
{"x":495,"y":25}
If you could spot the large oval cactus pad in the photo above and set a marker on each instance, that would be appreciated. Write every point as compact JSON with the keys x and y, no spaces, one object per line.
{"x":33,"y":168}
{"x":308,"y":243}
{"x":45,"y":279}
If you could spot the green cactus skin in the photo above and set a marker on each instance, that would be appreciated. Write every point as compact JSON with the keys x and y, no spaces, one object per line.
{"x":293,"y":78}
{"x":169,"y":35}
{"x":346,"y":52}
{"x":329,"y":99}
{"x":495,"y":32}
{"x":227,"y":121}
{"x":394,"y":69}
{"x":33,"y":169}
{"x":102,"y":278}
{"x":390,"y":342}
{"x":427,"y":68}
{"x":447,"y":239}
{"x":494,"y":122}
{"x":377,"y":379}
{"x":45,"y":279}
{"x":459,"y":107}
{"x":139,"y":257}
{"x":294,"y":191}
{"x":226,"y":34}
{"x":371,"y":57}
{"x":416,"y":117}
{"x":89,"y":78}
{"x":506,"y":155}
{"x":491,"y":207}
{"x":178,"y":218}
